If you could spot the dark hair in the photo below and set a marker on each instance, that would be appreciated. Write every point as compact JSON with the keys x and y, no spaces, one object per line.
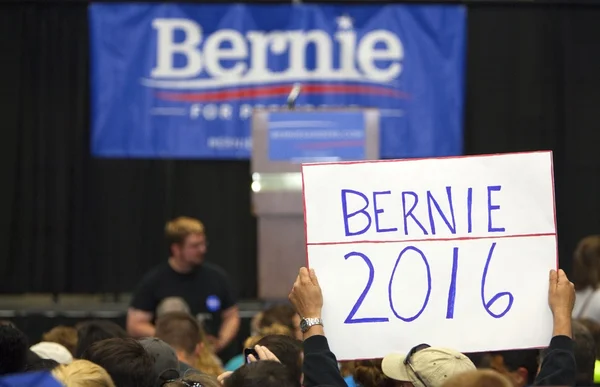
{"x":594,"y":329}
{"x":522,"y":358}
{"x":585,"y":354}
{"x":586,"y":263}
{"x":279,"y":314}
{"x":13,"y":350}
{"x":90,"y":332}
{"x":288,"y":351}
{"x":195,"y":377}
{"x":125,"y":360}
{"x":261,"y":374}
{"x":368,"y":373}
{"x":41,"y":365}
{"x":180,"y":330}
{"x":482,"y":360}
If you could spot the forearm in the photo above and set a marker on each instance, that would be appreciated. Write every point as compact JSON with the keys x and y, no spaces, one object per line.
{"x":229,"y":330}
{"x":562,"y":326}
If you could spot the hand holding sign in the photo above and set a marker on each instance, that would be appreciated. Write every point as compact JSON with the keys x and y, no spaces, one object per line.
{"x":306,"y":294}
{"x":453,"y":252}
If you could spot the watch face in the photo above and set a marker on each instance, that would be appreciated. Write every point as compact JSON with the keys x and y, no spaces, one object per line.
{"x":303,"y":325}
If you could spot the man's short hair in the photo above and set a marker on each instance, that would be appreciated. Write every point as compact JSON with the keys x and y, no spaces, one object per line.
{"x":90,"y":332}
{"x":585,"y":354}
{"x":288,"y":351}
{"x":178,"y":229}
{"x":13,"y":350}
{"x":262,"y":373}
{"x":170,"y":305}
{"x":125,"y":360}
{"x":522,"y":358}
{"x":180,"y":330}
{"x":479,"y":378}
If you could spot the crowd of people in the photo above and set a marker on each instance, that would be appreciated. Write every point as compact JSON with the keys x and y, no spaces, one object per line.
{"x":165,"y":344}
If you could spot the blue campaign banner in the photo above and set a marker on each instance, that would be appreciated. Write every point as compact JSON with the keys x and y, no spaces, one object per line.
{"x":181,"y":80}
{"x":316,"y":136}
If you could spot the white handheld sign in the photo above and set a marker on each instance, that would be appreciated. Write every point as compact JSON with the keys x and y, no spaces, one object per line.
{"x":452,"y":252}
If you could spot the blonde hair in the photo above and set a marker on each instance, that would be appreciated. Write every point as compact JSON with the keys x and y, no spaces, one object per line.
{"x":479,"y":378}
{"x":208,"y":363}
{"x":82,"y":373}
{"x":178,"y":229}
{"x":65,"y":336}
{"x":273,"y":329}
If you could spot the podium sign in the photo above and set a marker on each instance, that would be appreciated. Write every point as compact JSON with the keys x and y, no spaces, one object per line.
{"x":316,"y":137}
{"x":281,"y":141}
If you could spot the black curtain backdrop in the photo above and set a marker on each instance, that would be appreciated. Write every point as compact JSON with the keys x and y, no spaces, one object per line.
{"x":70,"y":223}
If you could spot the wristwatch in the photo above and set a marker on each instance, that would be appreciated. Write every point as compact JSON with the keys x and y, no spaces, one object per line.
{"x":306,"y":323}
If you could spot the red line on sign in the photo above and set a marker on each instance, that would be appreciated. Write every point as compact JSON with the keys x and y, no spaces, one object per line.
{"x":436,"y":239}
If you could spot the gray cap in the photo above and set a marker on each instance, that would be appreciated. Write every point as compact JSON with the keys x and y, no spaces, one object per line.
{"x":166,"y":364}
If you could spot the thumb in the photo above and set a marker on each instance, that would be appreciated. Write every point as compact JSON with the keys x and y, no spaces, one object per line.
{"x":553,"y":278}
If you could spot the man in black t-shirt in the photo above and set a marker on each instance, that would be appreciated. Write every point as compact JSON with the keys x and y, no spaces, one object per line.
{"x":204,"y":287}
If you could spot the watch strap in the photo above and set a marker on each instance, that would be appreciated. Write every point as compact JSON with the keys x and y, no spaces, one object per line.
{"x":310,"y":322}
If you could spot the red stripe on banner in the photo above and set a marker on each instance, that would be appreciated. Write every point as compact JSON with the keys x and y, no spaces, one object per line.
{"x":435,"y":239}
{"x":274,"y":91}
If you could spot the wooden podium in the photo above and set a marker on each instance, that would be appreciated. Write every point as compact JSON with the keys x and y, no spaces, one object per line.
{"x":281,"y":141}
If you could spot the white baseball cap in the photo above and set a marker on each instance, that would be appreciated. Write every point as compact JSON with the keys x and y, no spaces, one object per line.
{"x":54,"y":351}
{"x":428,"y":367}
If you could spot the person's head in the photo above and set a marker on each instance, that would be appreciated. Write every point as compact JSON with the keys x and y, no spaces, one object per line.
{"x":426,"y":366}
{"x":482,"y":360}
{"x":172,"y":304}
{"x":93,"y":331}
{"x":165,"y":363}
{"x":520,"y":366}
{"x":289,"y":352}
{"x":186,"y":240}
{"x":40,"y":364}
{"x":125,"y":360}
{"x":263,"y":374}
{"x":182,"y":332}
{"x":13,"y":350}
{"x":275,"y":329}
{"x":255,"y":323}
{"x":585,"y":354}
{"x":7,"y":322}
{"x":82,"y":373}
{"x":368,"y":373}
{"x":65,"y":336}
{"x":54,"y":351}
{"x":194,"y":379}
{"x":594,"y":328}
{"x":586,"y":263}
{"x":479,"y":378}
{"x":281,"y":314}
